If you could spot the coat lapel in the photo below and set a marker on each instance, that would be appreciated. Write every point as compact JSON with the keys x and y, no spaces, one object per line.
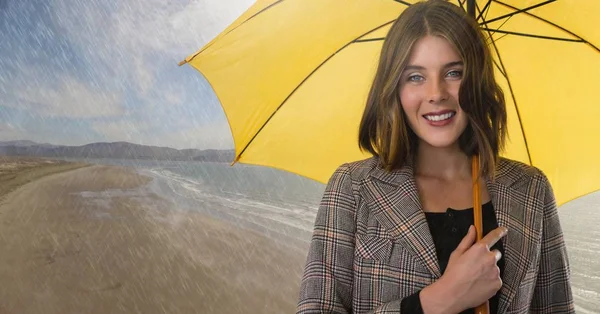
{"x":394,"y":198}
{"x":511,"y":212}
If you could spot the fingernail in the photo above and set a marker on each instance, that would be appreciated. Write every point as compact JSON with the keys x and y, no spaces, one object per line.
{"x":504,"y":230}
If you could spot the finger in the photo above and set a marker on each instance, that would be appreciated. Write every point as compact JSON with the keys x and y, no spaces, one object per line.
{"x":494,"y":236}
{"x":467,"y":241}
{"x":497,"y":255}
{"x":498,"y":283}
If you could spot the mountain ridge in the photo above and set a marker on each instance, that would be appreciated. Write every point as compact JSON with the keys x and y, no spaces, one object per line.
{"x":116,"y":150}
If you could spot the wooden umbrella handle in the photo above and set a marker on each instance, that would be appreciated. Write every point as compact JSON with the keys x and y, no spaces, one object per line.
{"x":478,"y":219}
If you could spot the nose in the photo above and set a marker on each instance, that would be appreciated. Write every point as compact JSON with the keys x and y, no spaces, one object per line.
{"x":437,"y":91}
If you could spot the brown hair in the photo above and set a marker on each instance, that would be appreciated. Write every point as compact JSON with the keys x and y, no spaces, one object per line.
{"x":384,"y":130}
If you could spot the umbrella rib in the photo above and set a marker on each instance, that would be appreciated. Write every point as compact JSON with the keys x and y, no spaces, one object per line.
{"x":498,"y":39}
{"x":500,"y":69}
{"x":368,"y":40}
{"x":534,"y":36}
{"x":484,"y":10}
{"x":552,"y":24}
{"x":499,"y":27}
{"x":516,"y":12}
{"x":512,"y":94}
{"x":403,"y":2}
{"x":304,"y":80}
{"x":231,"y":30}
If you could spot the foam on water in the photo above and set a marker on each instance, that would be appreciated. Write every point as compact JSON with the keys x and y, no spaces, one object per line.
{"x":239,"y":205}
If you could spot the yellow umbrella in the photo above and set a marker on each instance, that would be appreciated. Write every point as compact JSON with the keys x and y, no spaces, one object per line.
{"x":292,"y":77}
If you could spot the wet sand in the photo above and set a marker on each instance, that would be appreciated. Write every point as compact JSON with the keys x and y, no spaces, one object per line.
{"x":94,"y":240}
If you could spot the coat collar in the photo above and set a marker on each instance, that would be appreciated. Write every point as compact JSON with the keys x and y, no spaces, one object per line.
{"x":394,"y":198}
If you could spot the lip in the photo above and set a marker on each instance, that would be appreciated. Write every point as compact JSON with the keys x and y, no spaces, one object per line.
{"x":437,"y":113}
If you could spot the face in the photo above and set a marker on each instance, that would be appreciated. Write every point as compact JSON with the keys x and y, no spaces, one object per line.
{"x":429,"y":89}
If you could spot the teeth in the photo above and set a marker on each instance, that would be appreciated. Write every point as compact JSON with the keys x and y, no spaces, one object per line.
{"x":440,"y":117}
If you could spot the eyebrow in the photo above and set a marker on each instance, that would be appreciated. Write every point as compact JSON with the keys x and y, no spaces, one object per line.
{"x":447,"y":65}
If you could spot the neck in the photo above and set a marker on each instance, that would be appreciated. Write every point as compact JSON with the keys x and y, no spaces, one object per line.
{"x":449,"y":163}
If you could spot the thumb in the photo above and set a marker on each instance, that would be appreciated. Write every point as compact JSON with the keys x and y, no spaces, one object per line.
{"x":467,"y":241}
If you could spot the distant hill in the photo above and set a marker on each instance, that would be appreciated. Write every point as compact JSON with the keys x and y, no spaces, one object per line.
{"x":117,"y":150}
{"x":25,"y":143}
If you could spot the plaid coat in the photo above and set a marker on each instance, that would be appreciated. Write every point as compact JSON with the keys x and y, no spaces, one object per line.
{"x":372,"y":246}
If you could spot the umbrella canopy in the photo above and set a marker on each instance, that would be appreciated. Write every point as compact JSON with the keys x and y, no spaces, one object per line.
{"x":293,"y":75}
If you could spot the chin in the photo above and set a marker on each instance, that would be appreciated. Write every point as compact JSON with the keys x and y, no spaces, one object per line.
{"x":440,"y":143}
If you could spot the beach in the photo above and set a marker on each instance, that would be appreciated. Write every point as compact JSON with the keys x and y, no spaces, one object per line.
{"x":96,"y":239}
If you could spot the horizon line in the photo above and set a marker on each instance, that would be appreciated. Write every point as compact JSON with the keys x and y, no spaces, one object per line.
{"x":113,"y":142}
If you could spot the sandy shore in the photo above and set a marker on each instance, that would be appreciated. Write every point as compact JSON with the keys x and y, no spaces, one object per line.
{"x":18,"y":171}
{"x":90,"y":240}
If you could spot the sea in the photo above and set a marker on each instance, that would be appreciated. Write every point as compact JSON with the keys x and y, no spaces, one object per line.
{"x":283,"y":205}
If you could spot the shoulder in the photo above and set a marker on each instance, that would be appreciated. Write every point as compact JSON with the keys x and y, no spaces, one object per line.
{"x":520,"y":175}
{"x":516,"y":170}
{"x":356,"y":170}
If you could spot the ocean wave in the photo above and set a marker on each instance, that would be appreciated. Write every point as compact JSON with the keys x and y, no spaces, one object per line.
{"x":240,"y":205}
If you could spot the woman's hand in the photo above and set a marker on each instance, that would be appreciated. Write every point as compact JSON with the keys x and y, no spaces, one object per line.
{"x":471,"y":277}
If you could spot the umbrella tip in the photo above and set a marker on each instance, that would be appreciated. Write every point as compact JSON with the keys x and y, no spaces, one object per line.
{"x":182,"y":62}
{"x":237,"y":158}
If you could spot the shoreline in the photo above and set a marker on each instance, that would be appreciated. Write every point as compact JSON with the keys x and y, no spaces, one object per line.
{"x":16,"y":172}
{"x":282,"y":233}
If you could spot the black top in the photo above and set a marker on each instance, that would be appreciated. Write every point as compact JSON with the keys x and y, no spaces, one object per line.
{"x":448,"y":229}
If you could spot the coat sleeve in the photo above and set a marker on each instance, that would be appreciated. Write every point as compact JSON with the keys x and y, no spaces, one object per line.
{"x":326,"y":285}
{"x":552,"y":292}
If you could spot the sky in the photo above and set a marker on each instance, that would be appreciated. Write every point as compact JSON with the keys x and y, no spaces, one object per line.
{"x":82,"y":71}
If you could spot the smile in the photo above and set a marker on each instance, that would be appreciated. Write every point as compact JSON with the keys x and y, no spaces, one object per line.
{"x":440,"y":117}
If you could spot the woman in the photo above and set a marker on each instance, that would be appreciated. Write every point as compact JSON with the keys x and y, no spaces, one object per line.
{"x":393,"y":233}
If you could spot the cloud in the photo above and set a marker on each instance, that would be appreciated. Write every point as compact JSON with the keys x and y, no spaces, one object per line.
{"x":44,"y":133}
{"x":134,"y":39}
{"x":66,"y":96}
{"x":214,"y":135}
{"x":9,"y":131}
{"x":7,"y":127}
{"x":173,"y":97}
{"x":117,"y":76}
{"x":124,"y":130}
{"x":201,"y":21}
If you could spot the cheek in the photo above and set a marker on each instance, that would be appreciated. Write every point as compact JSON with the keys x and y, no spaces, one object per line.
{"x":454,"y":91}
{"x":410,"y":101}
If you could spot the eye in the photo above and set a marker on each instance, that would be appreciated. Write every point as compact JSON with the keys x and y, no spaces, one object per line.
{"x":455,"y":74}
{"x":415,"y":78}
